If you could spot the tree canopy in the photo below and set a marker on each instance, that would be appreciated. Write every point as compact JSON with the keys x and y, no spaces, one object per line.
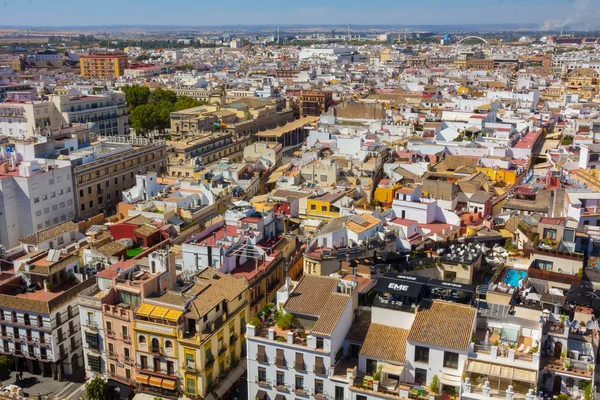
{"x":96,"y":389}
{"x":150,"y":110}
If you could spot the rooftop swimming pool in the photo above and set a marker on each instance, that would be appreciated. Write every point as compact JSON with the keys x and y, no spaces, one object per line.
{"x":514,"y":276}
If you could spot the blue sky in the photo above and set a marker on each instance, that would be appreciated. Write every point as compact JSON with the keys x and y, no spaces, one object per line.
{"x":208,"y":12}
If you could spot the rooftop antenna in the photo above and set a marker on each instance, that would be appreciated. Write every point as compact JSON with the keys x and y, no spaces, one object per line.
{"x":277,"y":35}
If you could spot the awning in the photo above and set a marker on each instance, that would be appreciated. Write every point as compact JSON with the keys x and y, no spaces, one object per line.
{"x":499,"y":371}
{"x":524,"y":375}
{"x":144,"y":310}
{"x":451,"y":285}
{"x":169,"y":384}
{"x":173,"y":315}
{"x":478,"y":367}
{"x":260,"y":395}
{"x":279,"y":397}
{"x":450,"y":380}
{"x":223,"y":388}
{"x":141,"y":378}
{"x":400,"y":288}
{"x":391,"y":369}
{"x":154,"y":381}
{"x":534,"y":296}
{"x":237,"y":373}
{"x":159,"y":312}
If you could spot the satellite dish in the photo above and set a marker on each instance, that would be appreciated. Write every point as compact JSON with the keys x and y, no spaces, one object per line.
{"x":575,"y":324}
{"x":590,"y":324}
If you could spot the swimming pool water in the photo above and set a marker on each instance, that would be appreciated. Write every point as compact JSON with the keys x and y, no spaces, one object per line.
{"x":513,"y":277}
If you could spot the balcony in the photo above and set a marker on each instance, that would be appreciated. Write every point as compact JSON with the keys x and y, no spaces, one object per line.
{"x":567,"y":366}
{"x":92,"y":325}
{"x":273,"y":286}
{"x":128,"y":360}
{"x":126,"y":338}
{"x":257,"y":299}
{"x":113,"y":355}
{"x":111,"y":334}
{"x":156,"y":350}
{"x":190,"y":367}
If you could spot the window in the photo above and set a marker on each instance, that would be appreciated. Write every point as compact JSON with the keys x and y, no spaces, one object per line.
{"x":46,"y":210}
{"x":38,"y":213}
{"x":323,"y":208}
{"x":262,"y":374}
{"x":420,"y":376}
{"x":92,"y":340}
{"x":109,"y":327}
{"x":280,"y":379}
{"x":91,"y":203}
{"x":126,"y":352}
{"x":339,"y":393}
{"x":570,"y":382}
{"x":36,"y":200}
{"x":319,"y":343}
{"x":313,"y":207}
{"x":82,"y":207}
{"x":318,"y":386}
{"x":168,"y":344}
{"x":544,"y":265}
{"x":128,"y":373}
{"x":549,"y":233}
{"x":142,"y":339}
{"x":450,"y":360}
{"x":421,"y":354}
{"x":191,"y":386}
{"x":94,"y":363}
{"x":299,"y":385}
{"x":569,"y":236}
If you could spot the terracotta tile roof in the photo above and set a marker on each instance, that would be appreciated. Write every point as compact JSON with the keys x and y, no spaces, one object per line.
{"x":443,"y":324}
{"x":50,"y":233}
{"x":362,"y":222}
{"x":138,"y":220}
{"x":360,"y":326}
{"x":385,"y":343}
{"x":213,"y":288}
{"x":317,"y":296}
{"x":112,"y":248}
{"x":146,"y":230}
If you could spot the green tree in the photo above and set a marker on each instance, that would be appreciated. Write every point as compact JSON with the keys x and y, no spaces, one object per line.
{"x":185,"y":102}
{"x":144,"y":118}
{"x":96,"y":389}
{"x":136,"y":96}
{"x":161,"y":95}
{"x":5,"y":363}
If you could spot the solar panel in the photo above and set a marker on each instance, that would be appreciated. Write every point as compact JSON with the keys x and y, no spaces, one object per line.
{"x":53,"y":255}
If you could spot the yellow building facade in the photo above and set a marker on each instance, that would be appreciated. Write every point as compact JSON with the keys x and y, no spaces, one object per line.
{"x":505,"y":176}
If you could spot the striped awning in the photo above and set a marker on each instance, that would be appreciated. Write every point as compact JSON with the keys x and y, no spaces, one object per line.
{"x":173,"y":315}
{"x":500,"y":371}
{"x":144,"y":310}
{"x":159,"y":312}
{"x":450,"y":380}
{"x":141,"y":378}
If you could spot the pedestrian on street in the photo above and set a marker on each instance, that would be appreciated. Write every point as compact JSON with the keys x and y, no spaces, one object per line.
{"x":39,"y":396}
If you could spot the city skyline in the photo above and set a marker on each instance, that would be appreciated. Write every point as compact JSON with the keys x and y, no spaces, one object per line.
{"x":553,"y":14}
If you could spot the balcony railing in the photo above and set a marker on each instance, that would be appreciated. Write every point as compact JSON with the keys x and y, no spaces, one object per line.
{"x":126,"y":338}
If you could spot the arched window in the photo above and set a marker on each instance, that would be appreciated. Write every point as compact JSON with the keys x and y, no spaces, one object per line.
{"x":142,"y":339}
{"x":155,"y":343}
{"x":168,"y":344}
{"x":58,"y":319}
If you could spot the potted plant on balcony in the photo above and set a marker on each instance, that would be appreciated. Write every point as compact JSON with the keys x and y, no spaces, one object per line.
{"x":568,"y":364}
{"x":434,"y":386}
{"x":377,"y":378}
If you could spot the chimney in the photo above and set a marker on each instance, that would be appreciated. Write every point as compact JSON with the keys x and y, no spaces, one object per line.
{"x":44,"y":284}
{"x":355,"y":268}
{"x":257,"y":263}
{"x":285,"y":225}
{"x":288,"y":281}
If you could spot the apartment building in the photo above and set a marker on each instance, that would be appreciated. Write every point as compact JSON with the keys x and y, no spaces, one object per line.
{"x":107,"y":112}
{"x":107,"y":313}
{"x":39,"y":317}
{"x":25,"y":118}
{"x":42,"y":191}
{"x":314,"y":103}
{"x":302,"y":360}
{"x":99,"y":183}
{"x":197,"y":151}
{"x":213,"y":343}
{"x":103,"y":66}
